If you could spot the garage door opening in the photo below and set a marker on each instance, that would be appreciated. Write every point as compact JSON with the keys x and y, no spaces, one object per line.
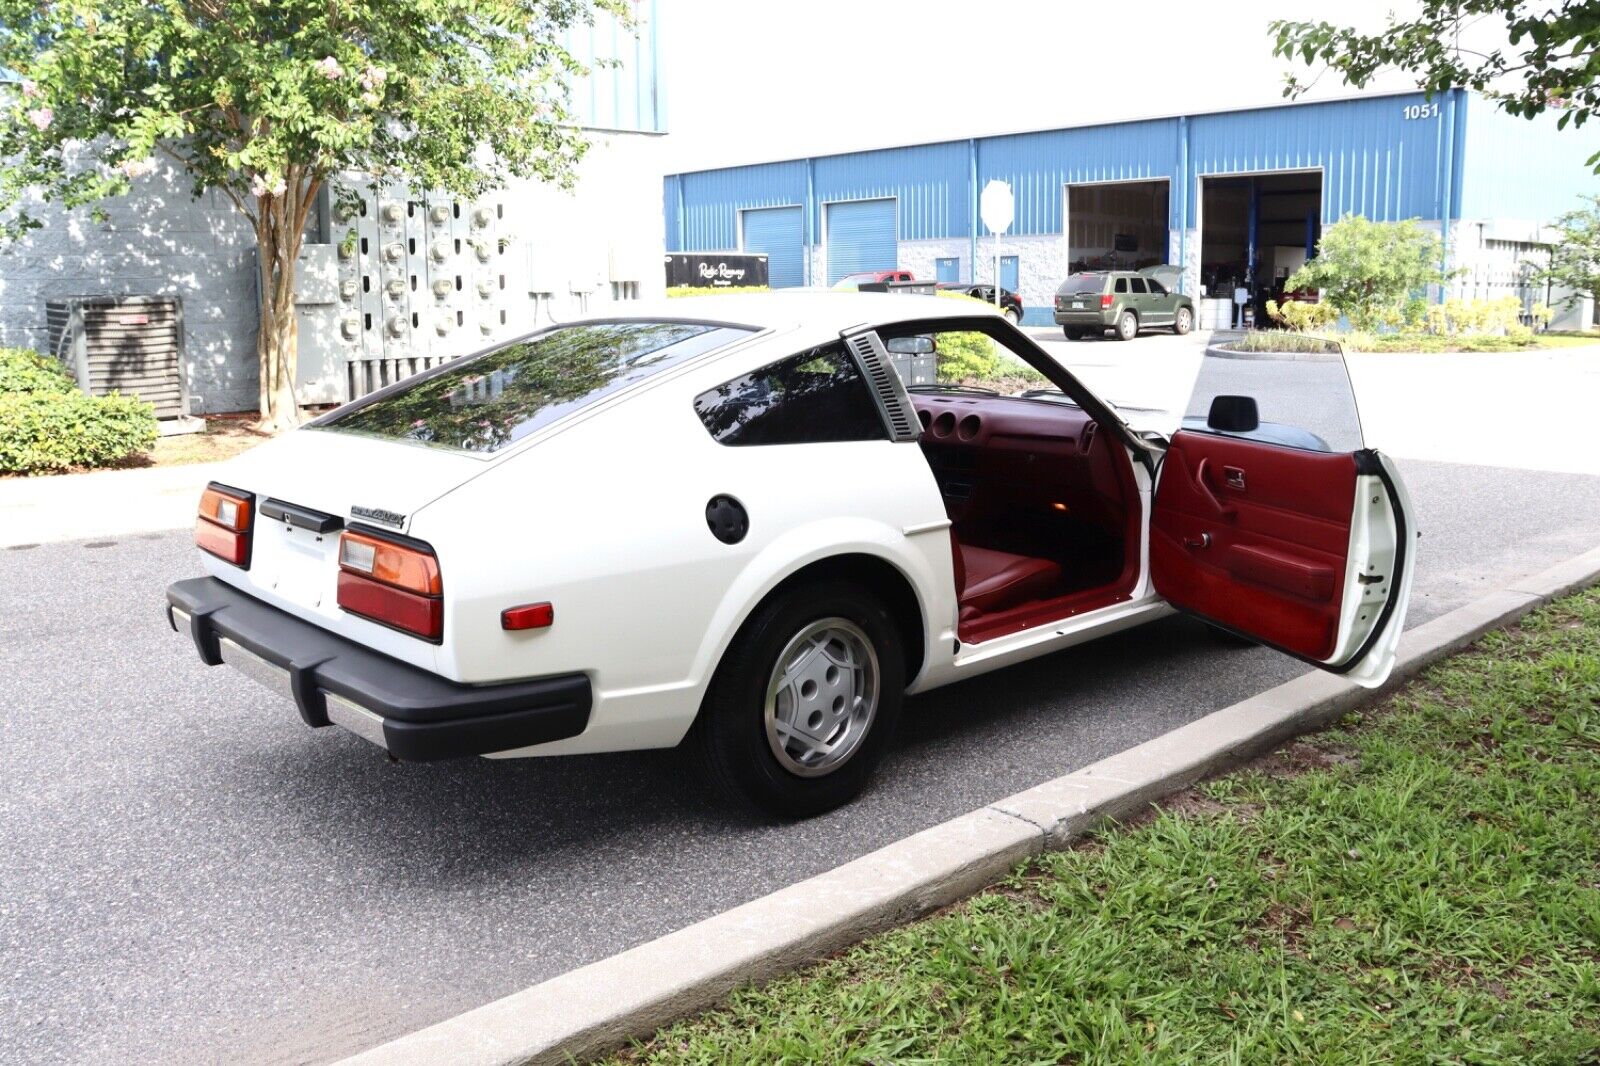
{"x":1116,"y":225}
{"x":860,"y":235}
{"x":779,"y":232}
{"x":1255,"y":231}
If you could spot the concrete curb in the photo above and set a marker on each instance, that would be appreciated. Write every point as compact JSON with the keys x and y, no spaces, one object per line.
{"x":597,"y":1008}
{"x":1217,"y":351}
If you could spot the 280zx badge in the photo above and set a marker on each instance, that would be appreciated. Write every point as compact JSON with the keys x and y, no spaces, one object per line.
{"x":378,"y":515}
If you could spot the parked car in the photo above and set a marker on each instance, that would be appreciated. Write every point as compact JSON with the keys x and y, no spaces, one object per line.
{"x":1122,"y":301}
{"x":731,"y":526}
{"x":1010,"y":302}
{"x":852,"y":282}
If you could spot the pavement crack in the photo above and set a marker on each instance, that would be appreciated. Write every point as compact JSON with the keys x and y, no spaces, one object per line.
{"x":1043,"y":830}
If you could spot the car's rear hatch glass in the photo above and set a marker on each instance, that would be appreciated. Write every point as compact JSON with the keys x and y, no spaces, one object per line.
{"x":486,"y":402}
{"x":1081,"y":284}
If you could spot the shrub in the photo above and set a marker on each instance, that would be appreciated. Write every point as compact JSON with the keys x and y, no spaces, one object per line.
{"x":967,"y":356}
{"x":1302,"y":317}
{"x":1277,"y":340}
{"x":47,"y":423}
{"x":1369,"y":271}
{"x":695,"y":290}
{"x":23,"y":370}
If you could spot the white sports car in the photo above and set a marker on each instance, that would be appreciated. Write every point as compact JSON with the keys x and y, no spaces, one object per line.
{"x":726,"y":521}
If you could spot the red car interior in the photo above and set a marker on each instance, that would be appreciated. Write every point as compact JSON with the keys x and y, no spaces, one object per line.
{"x":1044,"y":519}
{"x":1255,"y":536}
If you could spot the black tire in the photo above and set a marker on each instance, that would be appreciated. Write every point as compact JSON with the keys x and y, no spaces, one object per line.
{"x":1182,"y":321}
{"x":1127,"y":326}
{"x":730,"y":736}
{"x":1013,"y":316}
{"x":1072,"y":334}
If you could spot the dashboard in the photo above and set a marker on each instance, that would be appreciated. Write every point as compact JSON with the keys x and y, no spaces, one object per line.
{"x":994,"y":455}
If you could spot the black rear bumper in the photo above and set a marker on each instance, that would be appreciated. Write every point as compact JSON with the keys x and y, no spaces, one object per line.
{"x":421,"y":715}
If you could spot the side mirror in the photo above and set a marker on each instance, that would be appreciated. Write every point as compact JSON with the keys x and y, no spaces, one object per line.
{"x":918,"y":345}
{"x":1233,"y":414}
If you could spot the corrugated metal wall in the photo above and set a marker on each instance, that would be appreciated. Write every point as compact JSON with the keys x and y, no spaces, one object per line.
{"x":628,"y":95}
{"x":1386,"y":157}
{"x":1375,"y":160}
{"x":1038,"y":165}
{"x":1517,"y":168}
{"x":929,"y":181}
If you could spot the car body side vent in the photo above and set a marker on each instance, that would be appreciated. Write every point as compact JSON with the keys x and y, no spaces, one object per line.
{"x":887,"y":388}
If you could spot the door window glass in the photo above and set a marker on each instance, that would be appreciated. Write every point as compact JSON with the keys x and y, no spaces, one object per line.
{"x":1156,"y":288}
{"x":1138,"y":286}
{"x":1301,"y":399}
{"x":815,"y":397}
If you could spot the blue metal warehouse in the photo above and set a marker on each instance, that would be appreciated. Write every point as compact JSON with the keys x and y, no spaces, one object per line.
{"x":1236,"y":197}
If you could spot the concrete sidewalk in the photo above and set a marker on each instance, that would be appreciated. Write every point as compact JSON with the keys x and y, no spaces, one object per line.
{"x":104,"y":503}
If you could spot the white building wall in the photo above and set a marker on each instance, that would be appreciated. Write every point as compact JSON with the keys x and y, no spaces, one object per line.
{"x":560,"y":253}
{"x":1040,"y":265}
{"x":919,"y":257}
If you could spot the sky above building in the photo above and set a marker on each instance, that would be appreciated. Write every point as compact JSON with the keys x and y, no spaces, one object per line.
{"x":776,"y":79}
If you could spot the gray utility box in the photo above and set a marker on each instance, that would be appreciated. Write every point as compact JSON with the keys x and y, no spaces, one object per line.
{"x":914,"y":359}
{"x":127,"y":344}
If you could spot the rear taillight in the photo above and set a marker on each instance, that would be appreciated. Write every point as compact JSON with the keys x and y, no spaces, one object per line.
{"x":223,"y":525}
{"x":391,"y":582}
{"x":1105,"y":300}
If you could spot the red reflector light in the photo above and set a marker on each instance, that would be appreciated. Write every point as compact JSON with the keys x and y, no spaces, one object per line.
{"x":223,"y":525}
{"x":225,"y":544}
{"x":1105,"y":299}
{"x":528,"y":616}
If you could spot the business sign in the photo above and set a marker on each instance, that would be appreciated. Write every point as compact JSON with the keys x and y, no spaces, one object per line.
{"x":716,"y":270}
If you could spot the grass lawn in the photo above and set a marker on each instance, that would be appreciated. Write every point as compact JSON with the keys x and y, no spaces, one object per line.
{"x":1421,"y":884}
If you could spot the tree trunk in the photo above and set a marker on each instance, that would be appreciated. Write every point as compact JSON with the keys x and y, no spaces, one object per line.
{"x":280,"y":226}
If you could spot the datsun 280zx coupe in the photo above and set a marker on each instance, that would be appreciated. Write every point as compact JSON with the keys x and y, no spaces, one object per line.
{"x":726,"y":523}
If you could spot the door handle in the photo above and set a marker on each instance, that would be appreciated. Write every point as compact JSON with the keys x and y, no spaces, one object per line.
{"x":1202,"y":541}
{"x":1233,"y":477}
{"x":1205,"y":490}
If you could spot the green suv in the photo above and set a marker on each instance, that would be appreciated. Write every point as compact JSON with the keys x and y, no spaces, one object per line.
{"x":1124,"y":301}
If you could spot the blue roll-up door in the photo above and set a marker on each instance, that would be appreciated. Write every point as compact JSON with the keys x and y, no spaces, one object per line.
{"x":861,"y":236}
{"x":947,"y":270}
{"x":778,"y":232}
{"x":1009,"y":273}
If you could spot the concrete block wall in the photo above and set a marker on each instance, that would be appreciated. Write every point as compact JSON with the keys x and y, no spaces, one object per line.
{"x":919,"y":257}
{"x":1039,"y":269}
{"x":158,"y":240}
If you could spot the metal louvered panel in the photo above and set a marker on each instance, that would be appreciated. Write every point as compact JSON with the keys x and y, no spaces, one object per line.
{"x":131,"y":345}
{"x":887,"y":388}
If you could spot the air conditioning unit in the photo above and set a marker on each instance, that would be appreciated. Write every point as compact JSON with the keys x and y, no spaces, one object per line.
{"x":127,"y":344}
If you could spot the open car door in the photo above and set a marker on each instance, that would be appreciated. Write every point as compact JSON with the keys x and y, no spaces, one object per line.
{"x":1274,"y":520}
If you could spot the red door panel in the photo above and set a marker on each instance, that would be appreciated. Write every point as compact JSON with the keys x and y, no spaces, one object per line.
{"x":1255,"y":537}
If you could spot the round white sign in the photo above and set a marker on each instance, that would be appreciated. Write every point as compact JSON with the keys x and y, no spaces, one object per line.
{"x":996,"y":206}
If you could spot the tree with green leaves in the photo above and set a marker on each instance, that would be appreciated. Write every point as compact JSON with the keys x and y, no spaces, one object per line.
{"x":268,"y":101}
{"x":1574,"y":261}
{"x":1540,"y":57}
{"x":1369,"y":270}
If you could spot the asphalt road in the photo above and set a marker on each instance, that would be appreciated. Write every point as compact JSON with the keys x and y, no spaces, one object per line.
{"x":192,"y":875}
